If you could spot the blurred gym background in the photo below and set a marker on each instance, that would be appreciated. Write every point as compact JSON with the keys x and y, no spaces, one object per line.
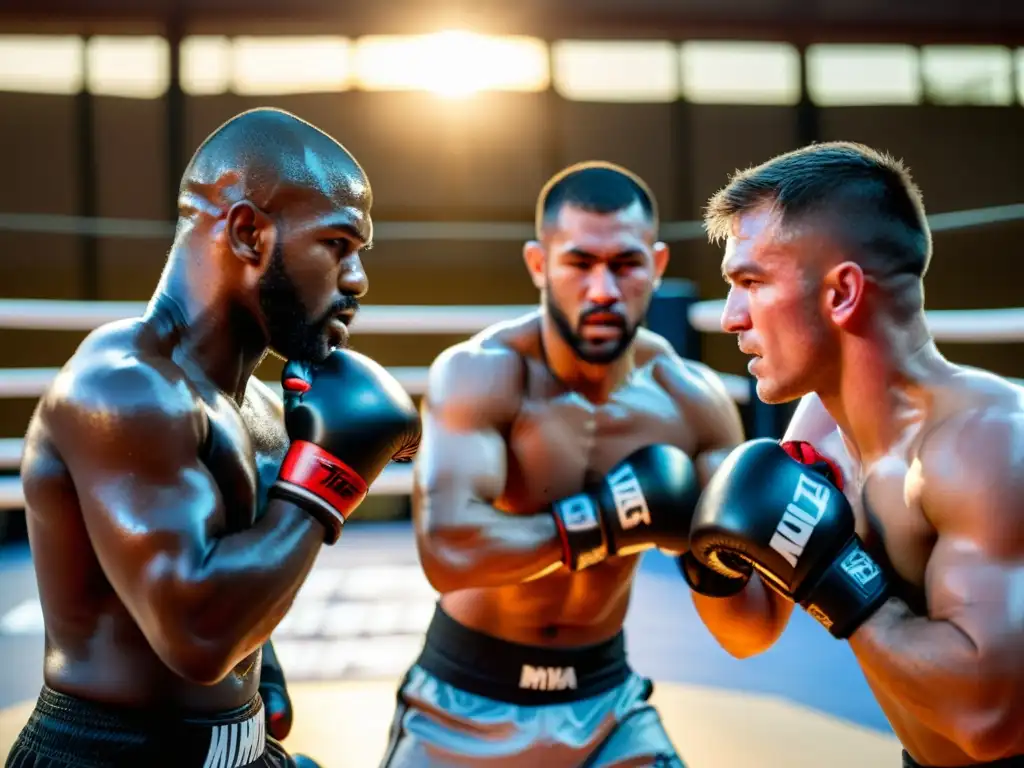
{"x":459,"y":111}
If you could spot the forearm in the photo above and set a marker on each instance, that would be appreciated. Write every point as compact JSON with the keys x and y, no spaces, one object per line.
{"x":488,"y":547}
{"x":248,"y":581}
{"x":938,"y":673}
{"x":747,"y":623}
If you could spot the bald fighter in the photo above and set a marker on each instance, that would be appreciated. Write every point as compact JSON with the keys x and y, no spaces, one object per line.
{"x":893,"y":510}
{"x":175,"y":506}
{"x":557,"y":448}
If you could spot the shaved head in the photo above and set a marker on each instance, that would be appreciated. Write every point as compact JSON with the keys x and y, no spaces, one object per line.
{"x":278,"y":213}
{"x":269,"y":157}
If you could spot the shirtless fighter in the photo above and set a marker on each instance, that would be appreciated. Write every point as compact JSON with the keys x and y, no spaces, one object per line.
{"x":900,"y":523}
{"x":557,"y":447}
{"x":173,"y":513}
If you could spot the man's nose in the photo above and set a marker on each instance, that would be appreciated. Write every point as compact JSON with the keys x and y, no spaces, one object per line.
{"x":735,"y":314}
{"x":602,"y":289}
{"x":353,"y":280}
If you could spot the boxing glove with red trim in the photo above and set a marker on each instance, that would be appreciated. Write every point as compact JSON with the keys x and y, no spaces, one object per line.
{"x":347,"y":418}
{"x":644,"y":502}
{"x":781,"y":507}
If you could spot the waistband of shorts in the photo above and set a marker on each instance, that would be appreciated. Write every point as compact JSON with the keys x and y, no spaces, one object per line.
{"x":520,"y":674}
{"x":103,"y":734}
{"x":1006,"y":762}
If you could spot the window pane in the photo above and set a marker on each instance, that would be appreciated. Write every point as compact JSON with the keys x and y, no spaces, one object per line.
{"x":205,"y":64}
{"x":131,"y":66}
{"x":637,"y":71}
{"x":839,"y":75}
{"x":740,"y":72}
{"x":266,"y":66}
{"x":1020,"y":75}
{"x":41,"y":63}
{"x":962,"y":74}
{"x":451,"y":63}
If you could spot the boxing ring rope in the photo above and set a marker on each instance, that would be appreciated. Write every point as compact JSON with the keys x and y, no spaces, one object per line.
{"x":947,"y":325}
{"x":975,"y":325}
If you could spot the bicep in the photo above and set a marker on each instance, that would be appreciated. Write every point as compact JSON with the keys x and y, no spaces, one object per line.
{"x":458,"y":463}
{"x":150,"y":506}
{"x":981,"y":595}
{"x":471,"y":395}
{"x":150,"y":530}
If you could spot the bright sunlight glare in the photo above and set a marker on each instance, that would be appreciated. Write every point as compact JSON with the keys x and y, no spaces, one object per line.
{"x":451,"y":63}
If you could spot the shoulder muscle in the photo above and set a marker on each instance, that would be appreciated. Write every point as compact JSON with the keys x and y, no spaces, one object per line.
{"x":113,"y":408}
{"x":703,"y":397}
{"x":473,"y":384}
{"x":972,"y":477}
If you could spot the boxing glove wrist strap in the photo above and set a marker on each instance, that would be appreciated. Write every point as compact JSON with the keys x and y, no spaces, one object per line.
{"x":849,"y":591}
{"x":318,"y":482}
{"x":579,"y":526}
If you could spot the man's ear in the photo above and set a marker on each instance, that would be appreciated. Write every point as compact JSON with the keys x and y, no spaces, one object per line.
{"x":535,"y":257}
{"x":661,"y":256}
{"x":844,"y":293}
{"x":250,"y":233}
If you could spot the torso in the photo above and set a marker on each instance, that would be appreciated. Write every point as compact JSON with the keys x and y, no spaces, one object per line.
{"x":891,"y":520}
{"x":557,"y":444}
{"x":94,"y":649}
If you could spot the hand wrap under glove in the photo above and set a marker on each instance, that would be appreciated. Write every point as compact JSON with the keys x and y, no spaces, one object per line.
{"x":781,"y":507}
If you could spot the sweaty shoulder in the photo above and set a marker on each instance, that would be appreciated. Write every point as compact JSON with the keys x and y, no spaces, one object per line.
{"x":686,"y":380}
{"x":698,"y":391}
{"x":481,"y":379}
{"x":115,"y":379}
{"x":972,"y":458}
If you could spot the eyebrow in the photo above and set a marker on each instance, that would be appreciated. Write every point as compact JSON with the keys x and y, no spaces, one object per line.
{"x":750,"y":270}
{"x":350,"y":229}
{"x":585,"y":254}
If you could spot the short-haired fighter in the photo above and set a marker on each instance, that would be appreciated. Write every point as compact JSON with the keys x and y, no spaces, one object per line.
{"x":893,"y":508}
{"x":557,"y":448}
{"x":174,"y":505}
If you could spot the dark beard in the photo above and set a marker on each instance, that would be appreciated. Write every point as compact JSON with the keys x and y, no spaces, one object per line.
{"x":293,"y":336}
{"x":604,"y":355}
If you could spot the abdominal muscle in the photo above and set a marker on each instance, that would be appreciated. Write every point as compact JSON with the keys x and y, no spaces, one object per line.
{"x":560,"y":610}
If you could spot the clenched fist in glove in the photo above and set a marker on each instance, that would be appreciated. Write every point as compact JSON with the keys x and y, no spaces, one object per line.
{"x":347,"y":417}
{"x":780,"y":507}
{"x":645,"y":501}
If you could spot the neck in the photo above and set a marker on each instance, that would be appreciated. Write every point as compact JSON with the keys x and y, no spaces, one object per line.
{"x":882,"y":391}
{"x":595,"y":381}
{"x":214,"y":337}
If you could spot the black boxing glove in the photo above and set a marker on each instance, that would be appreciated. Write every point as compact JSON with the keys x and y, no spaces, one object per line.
{"x":644,"y":502}
{"x":277,"y":704}
{"x":781,"y":507}
{"x":347,"y":418}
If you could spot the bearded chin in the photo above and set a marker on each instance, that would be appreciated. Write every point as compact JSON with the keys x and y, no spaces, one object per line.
{"x":580,"y":347}
{"x":292,"y":335}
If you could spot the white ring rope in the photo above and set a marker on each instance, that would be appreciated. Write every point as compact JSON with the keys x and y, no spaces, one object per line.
{"x":970,"y":325}
{"x":485,"y":231}
{"x":57,"y":315}
{"x":963,"y":325}
{"x":947,"y":325}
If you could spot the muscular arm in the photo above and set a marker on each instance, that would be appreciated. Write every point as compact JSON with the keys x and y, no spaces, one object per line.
{"x":464,"y":540}
{"x":205,"y":599}
{"x":960,"y":670}
{"x":752,"y":621}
